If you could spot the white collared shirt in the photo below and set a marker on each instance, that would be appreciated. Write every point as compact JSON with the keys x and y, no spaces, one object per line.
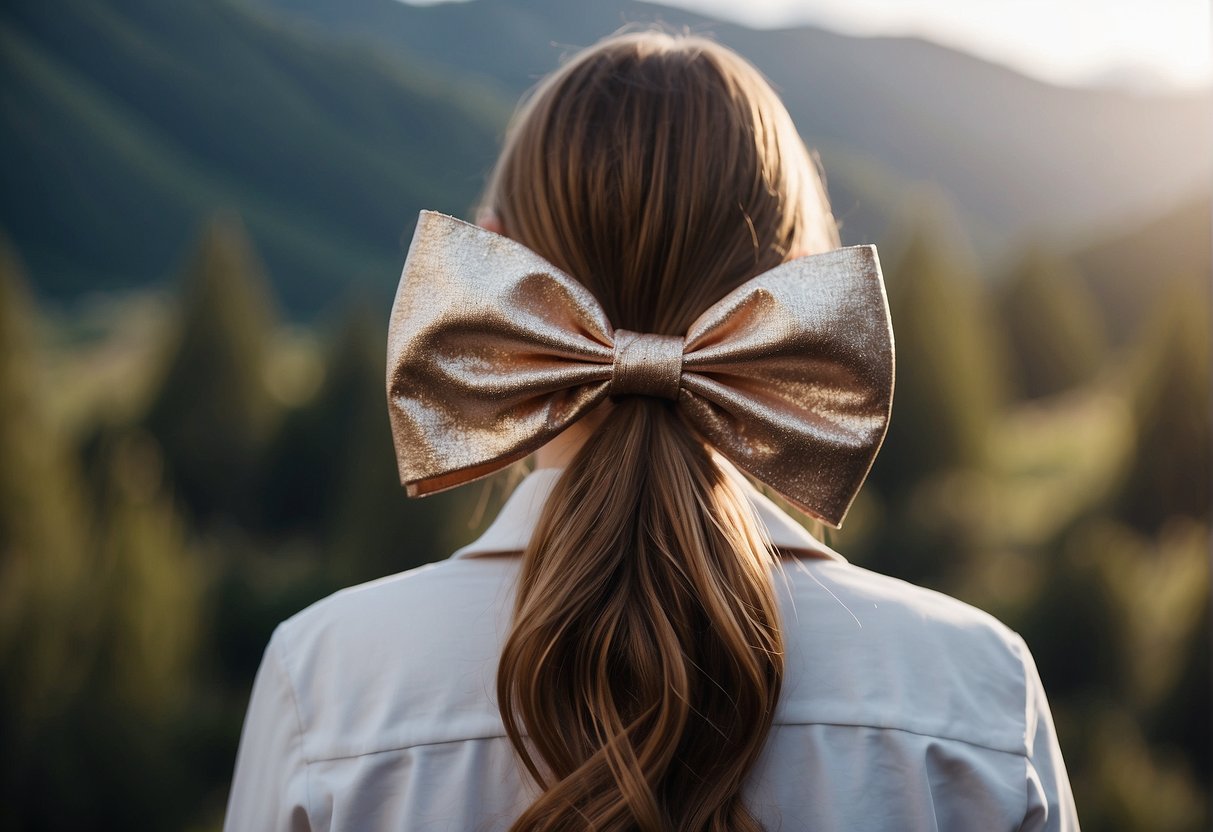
{"x":902,"y":709}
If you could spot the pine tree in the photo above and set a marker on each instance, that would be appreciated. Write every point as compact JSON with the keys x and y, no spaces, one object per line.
{"x":1054,"y":334}
{"x":212,"y":412}
{"x":334,"y":472}
{"x":44,"y":526}
{"x":949,"y":381}
{"x":1171,"y":469}
{"x":98,"y":609}
{"x":949,"y":387}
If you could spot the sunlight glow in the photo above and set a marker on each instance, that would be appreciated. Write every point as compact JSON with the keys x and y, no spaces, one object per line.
{"x":1136,"y":43}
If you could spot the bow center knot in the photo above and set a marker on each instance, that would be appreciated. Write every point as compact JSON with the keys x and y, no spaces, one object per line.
{"x":646,"y":365}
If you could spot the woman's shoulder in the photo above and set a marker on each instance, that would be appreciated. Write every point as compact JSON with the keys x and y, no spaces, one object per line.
{"x":417,"y":611}
{"x":399,"y":661}
{"x":868,"y":649}
{"x":862,"y":649}
{"x":859,"y":593}
{"x":406,"y":598}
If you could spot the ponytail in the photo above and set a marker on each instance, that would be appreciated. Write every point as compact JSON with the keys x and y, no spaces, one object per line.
{"x":640,"y":678}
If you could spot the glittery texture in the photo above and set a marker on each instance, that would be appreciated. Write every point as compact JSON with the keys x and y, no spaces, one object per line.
{"x":492,"y":352}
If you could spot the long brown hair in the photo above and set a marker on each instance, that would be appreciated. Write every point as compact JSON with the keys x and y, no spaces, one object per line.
{"x":641,"y":673}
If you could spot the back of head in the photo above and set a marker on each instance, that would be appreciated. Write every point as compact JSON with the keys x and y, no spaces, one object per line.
{"x":661,"y":171}
{"x":641,"y":674}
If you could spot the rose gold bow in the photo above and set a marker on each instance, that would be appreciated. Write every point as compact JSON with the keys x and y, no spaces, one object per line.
{"x":493,"y":351}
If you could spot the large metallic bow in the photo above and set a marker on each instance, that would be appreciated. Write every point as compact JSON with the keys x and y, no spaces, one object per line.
{"x":493,"y":351}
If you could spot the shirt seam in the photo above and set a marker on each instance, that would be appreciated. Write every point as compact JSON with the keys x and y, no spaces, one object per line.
{"x":1021,"y":648}
{"x":280,"y":660}
{"x":1027,"y":787}
{"x":326,"y":758}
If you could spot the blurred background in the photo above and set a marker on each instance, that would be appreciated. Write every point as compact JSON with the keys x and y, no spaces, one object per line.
{"x":204,"y":207}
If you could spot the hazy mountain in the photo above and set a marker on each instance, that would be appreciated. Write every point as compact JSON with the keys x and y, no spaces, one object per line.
{"x":327,"y":124}
{"x":125,"y":123}
{"x":1133,"y":270}
{"x":1017,"y":155}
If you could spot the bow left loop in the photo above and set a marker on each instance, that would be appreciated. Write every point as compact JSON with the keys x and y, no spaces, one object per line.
{"x":492,"y":351}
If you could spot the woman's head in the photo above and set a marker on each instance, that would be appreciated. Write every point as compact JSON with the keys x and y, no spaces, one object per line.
{"x":640,"y":676}
{"x":661,"y":171}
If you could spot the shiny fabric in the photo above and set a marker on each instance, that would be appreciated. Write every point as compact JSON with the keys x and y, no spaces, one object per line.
{"x":646,"y":365}
{"x":493,"y":351}
{"x":902,"y":710}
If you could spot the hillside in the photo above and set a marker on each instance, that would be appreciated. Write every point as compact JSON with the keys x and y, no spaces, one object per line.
{"x":1131,"y":271}
{"x":327,"y":125}
{"x":126,"y":123}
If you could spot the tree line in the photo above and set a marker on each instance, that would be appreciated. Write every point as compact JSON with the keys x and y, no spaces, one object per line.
{"x":1034,"y":466}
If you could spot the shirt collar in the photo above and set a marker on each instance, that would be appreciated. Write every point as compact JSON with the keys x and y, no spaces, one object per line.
{"x":512,"y":528}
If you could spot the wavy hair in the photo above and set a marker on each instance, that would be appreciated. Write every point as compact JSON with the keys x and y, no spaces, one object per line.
{"x":645,"y":658}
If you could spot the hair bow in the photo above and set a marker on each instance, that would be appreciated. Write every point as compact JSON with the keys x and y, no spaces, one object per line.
{"x":493,"y":351}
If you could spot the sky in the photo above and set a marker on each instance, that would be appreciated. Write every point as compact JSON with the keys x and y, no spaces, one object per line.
{"x":1145,"y":44}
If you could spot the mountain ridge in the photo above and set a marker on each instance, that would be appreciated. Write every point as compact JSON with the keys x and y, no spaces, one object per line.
{"x":126,"y":129}
{"x":1020,"y":155}
{"x":329,"y":125}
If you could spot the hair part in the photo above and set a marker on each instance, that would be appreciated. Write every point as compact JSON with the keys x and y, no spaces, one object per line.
{"x":640,"y":677}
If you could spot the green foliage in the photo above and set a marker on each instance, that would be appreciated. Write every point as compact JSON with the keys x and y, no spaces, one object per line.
{"x":99,"y":609}
{"x":44,"y":530}
{"x":1053,"y":329}
{"x":1114,"y":633}
{"x":39,"y":503}
{"x":1128,"y":270}
{"x":1170,"y":476}
{"x":333,"y":473}
{"x":135,"y":611}
{"x":213,"y":412}
{"x":374,"y":529}
{"x":144,"y":562}
{"x":948,"y":374}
